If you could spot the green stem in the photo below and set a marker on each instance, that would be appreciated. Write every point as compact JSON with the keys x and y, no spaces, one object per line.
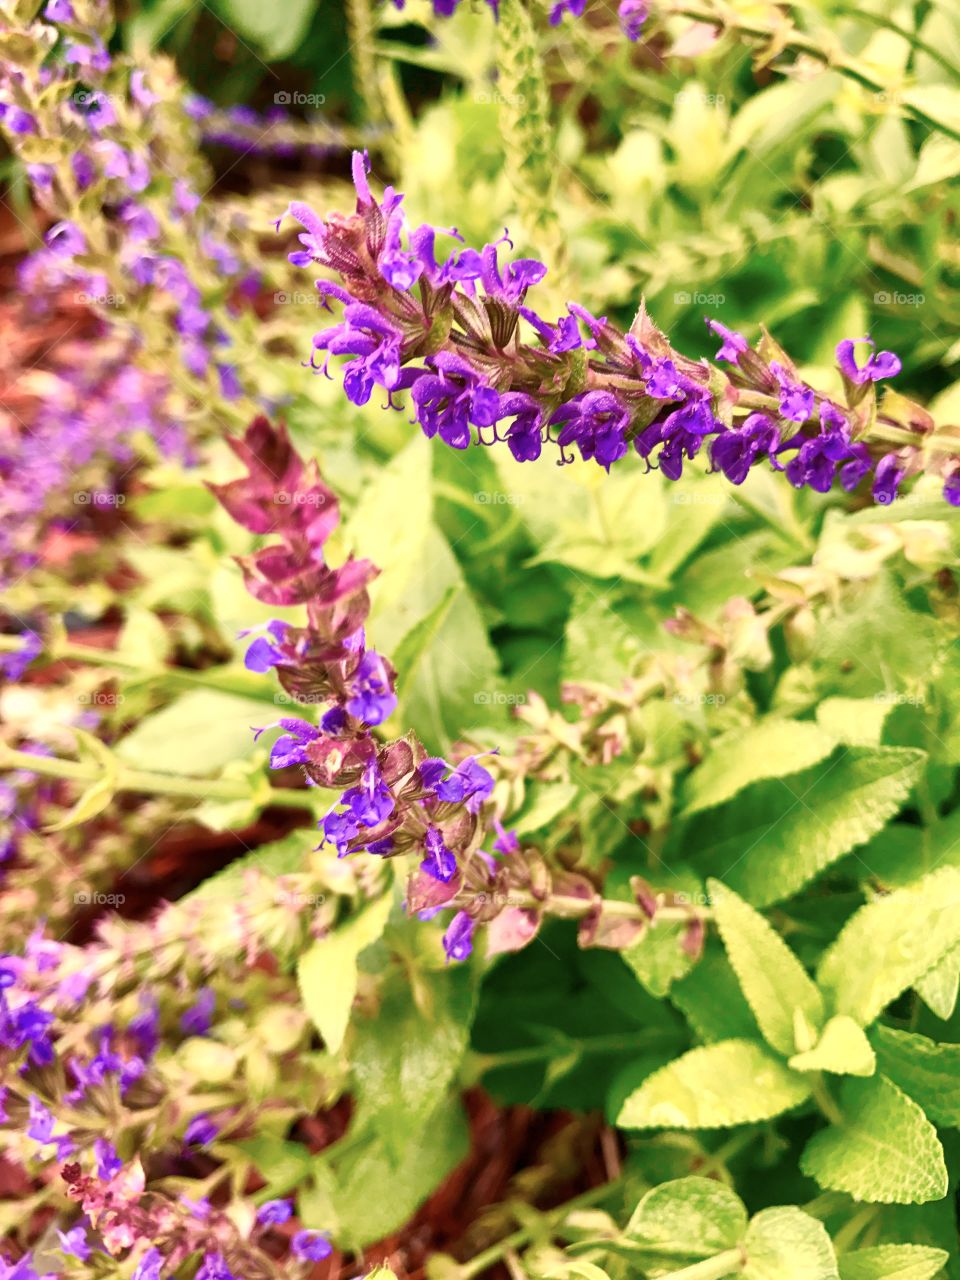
{"x":517,"y":1239}
{"x":569,"y":907}
{"x":163,"y":784}
{"x":727,"y":1263}
{"x":799,"y":43}
{"x":478,"y":1064}
{"x":825,"y":1101}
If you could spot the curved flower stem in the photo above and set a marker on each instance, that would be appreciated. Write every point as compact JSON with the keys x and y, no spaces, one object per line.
{"x":728,"y":1263}
{"x":797,"y":42}
{"x":163,"y":784}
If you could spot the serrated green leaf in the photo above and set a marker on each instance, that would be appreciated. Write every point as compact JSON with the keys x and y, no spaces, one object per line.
{"x":771,"y":748}
{"x":777,"y":836}
{"x":327,"y":973}
{"x":893,"y":1262}
{"x":787,"y":1244}
{"x":890,"y":943}
{"x":198,"y":734}
{"x":927,"y":1071}
{"x":940,"y":986}
{"x":885,"y":1151}
{"x":711,"y":1000}
{"x":856,"y":721}
{"x":688,"y":1218}
{"x":659,"y":958}
{"x":771,"y":977}
{"x":843,"y":1049}
{"x":728,"y":1083}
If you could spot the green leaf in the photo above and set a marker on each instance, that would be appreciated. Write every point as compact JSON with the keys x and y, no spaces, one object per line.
{"x":196,"y":735}
{"x":843,"y":1049}
{"x":659,"y":959}
{"x":387,"y":1172}
{"x":940,"y":986}
{"x":327,"y":973}
{"x":550,"y":800}
{"x":275,"y":31}
{"x":779,"y":835}
{"x":728,"y":1083}
{"x":890,"y":943}
{"x":927,"y":1071}
{"x":857,"y":721}
{"x":284,"y":1165}
{"x":893,"y":1262}
{"x":689,"y":1217}
{"x":787,"y":1244}
{"x":775,"y":983}
{"x":886,"y":1150}
{"x":711,"y":1000}
{"x":404,"y":1058}
{"x":769,"y":749}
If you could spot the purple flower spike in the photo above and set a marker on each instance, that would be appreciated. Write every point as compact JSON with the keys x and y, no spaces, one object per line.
{"x":66,"y":240}
{"x":879,"y":364}
{"x":951,"y":488}
{"x":201,"y":1131}
{"x":198,"y":1018}
{"x":13,"y":665}
{"x":109,"y":1163}
{"x":149,"y":1266}
{"x":735,"y":452}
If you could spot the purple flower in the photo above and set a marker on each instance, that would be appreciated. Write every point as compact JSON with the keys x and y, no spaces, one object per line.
{"x":525,"y":434}
{"x":887,"y":478}
{"x":201,"y":1131}
{"x":148,"y":1268}
{"x":372,"y":801}
{"x":274,"y":1212}
{"x":458,"y":938}
{"x":596,"y":422}
{"x":439,"y":863}
{"x":339,"y":829}
{"x":74,"y":1242}
{"x":734,"y":452}
{"x":796,"y":398}
{"x":448,"y":401}
{"x":42,"y":1121}
{"x":65,"y":240}
{"x":506,"y":841}
{"x":311,"y":1246}
{"x":196,"y":1021}
{"x":145,"y":1028}
{"x":372,"y":698}
{"x":13,"y":665}
{"x":375,"y":343}
{"x":58,"y":11}
{"x":632,"y":14}
{"x":469,"y":781}
{"x":951,"y":487}
{"x":109,"y":1163}
{"x":574,"y":7}
{"x":17,"y":120}
{"x":880,"y":364}
{"x":292,"y":746}
{"x":214,"y":1267}
{"x":734,"y":344}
